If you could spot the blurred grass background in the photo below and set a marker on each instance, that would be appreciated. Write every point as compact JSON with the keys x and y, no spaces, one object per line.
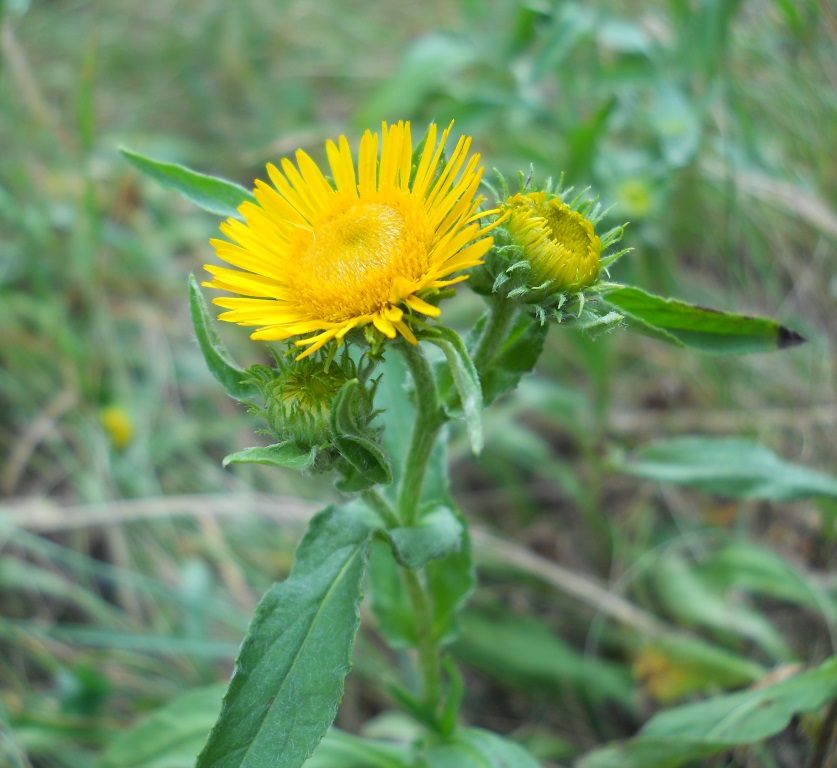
{"x":130,"y":562}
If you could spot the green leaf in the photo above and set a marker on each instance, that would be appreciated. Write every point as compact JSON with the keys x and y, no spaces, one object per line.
{"x":344,"y":750}
{"x":398,"y":414}
{"x":219,"y":361}
{"x":208,"y":192}
{"x":287,"y":455}
{"x":465,"y":379}
{"x":525,"y":653}
{"x":671,"y":666}
{"x":450,"y":581}
{"x":170,"y":737}
{"x":695,"y":603}
{"x":390,"y":599}
{"x":438,"y":534}
{"x":688,"y":325}
{"x":694,"y":731}
{"x":289,"y":673}
{"x":738,"y":469}
{"x":518,"y":355}
{"x":476,"y":748}
{"x":757,"y":570}
{"x":369,"y":465}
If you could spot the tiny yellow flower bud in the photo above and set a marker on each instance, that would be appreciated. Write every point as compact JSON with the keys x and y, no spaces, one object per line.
{"x":117,"y":425}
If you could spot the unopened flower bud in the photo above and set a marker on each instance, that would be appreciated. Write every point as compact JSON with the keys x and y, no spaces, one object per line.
{"x":299,"y":394}
{"x":558,"y":242}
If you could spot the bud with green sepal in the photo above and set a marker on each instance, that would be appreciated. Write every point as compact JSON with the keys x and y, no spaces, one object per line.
{"x":547,"y":257}
{"x":319,"y":409}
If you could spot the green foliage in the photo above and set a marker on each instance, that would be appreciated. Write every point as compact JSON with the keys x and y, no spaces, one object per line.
{"x":707,"y":728}
{"x":288,"y":455}
{"x":290,"y":669}
{"x":466,"y":380}
{"x":212,"y":194}
{"x":477,"y":748}
{"x":685,"y":593}
{"x":171,"y":736}
{"x":517,"y":356}
{"x":691,"y":326}
{"x":438,"y":534}
{"x":527,"y":654}
{"x":343,"y":750}
{"x":221,"y":365}
{"x":739,"y":469}
{"x":350,"y":416}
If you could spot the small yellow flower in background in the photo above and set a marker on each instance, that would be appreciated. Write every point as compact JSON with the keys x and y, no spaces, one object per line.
{"x":118,"y":425}
{"x":559,"y":242}
{"x":322,"y":257}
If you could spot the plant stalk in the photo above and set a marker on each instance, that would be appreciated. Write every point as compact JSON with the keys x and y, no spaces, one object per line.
{"x":429,"y":419}
{"x":501,"y":314}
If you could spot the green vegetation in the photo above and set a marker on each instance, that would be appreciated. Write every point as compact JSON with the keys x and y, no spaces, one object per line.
{"x":654,"y":528}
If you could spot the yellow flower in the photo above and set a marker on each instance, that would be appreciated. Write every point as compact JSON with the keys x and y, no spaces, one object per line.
{"x":557,"y":241}
{"x":322,"y":257}
{"x":118,"y":425}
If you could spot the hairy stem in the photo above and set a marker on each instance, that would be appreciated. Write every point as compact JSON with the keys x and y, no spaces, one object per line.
{"x":429,"y":419}
{"x":427,"y":648}
{"x":501,"y":314}
{"x":381,"y":505}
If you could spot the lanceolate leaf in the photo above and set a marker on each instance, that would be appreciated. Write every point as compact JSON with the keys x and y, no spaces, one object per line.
{"x":739,"y":469}
{"x":476,"y":748}
{"x":208,"y":192}
{"x":451,"y":580}
{"x":529,"y":655}
{"x":465,"y":379}
{"x":689,"y":325}
{"x":289,"y":673}
{"x":171,"y":736}
{"x":288,"y":455}
{"x":695,"y":731}
{"x":218,"y":359}
{"x":344,"y":750}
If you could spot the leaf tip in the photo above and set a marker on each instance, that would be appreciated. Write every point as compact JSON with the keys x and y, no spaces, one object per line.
{"x":787,"y":337}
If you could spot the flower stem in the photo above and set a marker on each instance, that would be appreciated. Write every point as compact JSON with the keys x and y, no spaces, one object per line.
{"x":427,"y":648}
{"x":381,"y":505}
{"x":501,"y":314}
{"x":429,"y":420}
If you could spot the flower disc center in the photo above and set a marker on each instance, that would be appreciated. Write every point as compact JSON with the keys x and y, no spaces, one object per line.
{"x":348,"y":263}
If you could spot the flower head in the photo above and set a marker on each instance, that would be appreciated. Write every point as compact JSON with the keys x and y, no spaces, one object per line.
{"x":558,"y":241}
{"x":299,"y":396}
{"x":370,"y":245}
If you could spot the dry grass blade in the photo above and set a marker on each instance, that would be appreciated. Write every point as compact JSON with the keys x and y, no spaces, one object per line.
{"x":42,"y":515}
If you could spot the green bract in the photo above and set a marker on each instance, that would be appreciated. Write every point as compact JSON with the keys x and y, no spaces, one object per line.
{"x":298,"y":396}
